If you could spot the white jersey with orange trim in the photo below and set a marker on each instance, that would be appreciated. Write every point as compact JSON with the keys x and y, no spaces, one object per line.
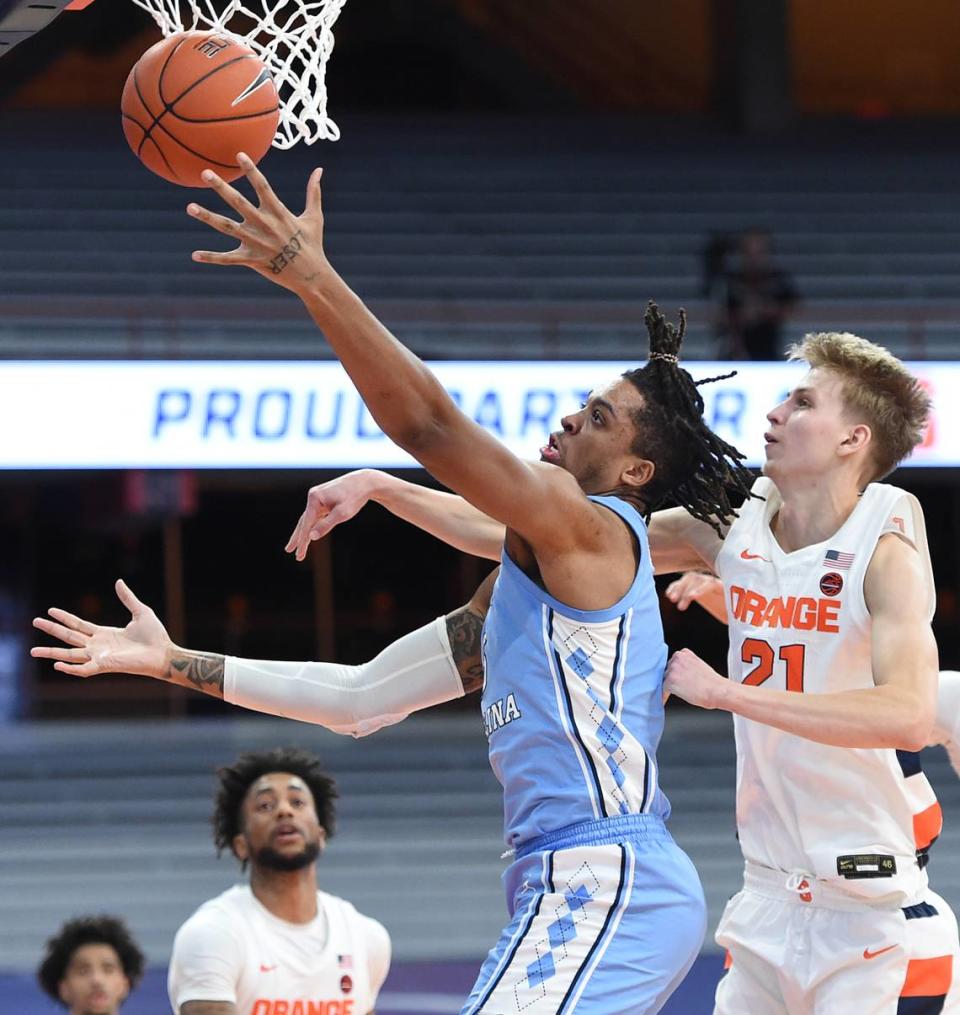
{"x":234,"y":949}
{"x":798,"y":621}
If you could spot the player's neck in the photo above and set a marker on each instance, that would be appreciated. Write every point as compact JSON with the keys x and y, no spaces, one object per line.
{"x":812,"y":512}
{"x":288,"y":895}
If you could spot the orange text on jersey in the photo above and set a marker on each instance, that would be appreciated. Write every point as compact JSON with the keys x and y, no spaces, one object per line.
{"x":802,"y":613}
{"x":340,"y":1007}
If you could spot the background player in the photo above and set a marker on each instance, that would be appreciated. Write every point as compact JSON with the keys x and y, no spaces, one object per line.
{"x":91,"y":965}
{"x":259,"y":948}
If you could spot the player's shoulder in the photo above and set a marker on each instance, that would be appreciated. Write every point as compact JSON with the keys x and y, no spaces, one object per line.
{"x":223,"y":912}
{"x":763,"y":501}
{"x":895,"y":514}
{"x":367,"y":926}
{"x":335,"y":903}
{"x":885,"y":494}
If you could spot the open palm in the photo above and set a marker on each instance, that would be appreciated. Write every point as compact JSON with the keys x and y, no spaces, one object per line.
{"x":142,"y":647}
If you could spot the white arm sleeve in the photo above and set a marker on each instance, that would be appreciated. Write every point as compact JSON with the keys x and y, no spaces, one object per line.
{"x":413,"y":673}
{"x":948,"y":704}
{"x":946,"y":730}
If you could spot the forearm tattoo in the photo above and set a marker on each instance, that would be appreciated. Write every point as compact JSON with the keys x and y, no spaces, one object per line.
{"x":288,"y":252}
{"x":202,"y":670}
{"x":464,"y":631}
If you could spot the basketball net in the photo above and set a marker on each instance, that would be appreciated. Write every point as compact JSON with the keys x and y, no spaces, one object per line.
{"x":294,"y":39}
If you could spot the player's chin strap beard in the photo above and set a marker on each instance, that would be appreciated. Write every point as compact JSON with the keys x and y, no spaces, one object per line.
{"x":270,"y":859}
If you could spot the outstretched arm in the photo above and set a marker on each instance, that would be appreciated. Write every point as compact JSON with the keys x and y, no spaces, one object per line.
{"x":897,"y":712}
{"x":142,"y":647}
{"x":439,"y":662}
{"x":680,"y":542}
{"x":444,"y":515}
{"x":543,"y":504}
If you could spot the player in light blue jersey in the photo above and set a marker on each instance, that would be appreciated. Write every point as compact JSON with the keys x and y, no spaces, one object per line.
{"x":607,"y":913}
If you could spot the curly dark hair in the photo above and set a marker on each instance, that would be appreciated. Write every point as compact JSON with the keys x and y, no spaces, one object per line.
{"x":88,"y":930}
{"x":693,"y":466}
{"x":236,"y":780}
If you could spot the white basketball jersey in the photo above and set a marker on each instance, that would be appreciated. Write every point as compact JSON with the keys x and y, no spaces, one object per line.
{"x":798,"y":621}
{"x":234,"y":949}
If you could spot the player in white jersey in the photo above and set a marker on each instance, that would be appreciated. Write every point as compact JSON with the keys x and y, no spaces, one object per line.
{"x":833,"y":667}
{"x":277,"y":945}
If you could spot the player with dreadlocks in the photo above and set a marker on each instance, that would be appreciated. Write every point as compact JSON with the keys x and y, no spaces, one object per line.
{"x":607,"y":913}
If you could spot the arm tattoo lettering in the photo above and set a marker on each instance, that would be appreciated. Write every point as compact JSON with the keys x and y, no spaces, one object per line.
{"x":464,"y":631}
{"x":202,"y":670}
{"x":289,"y":251}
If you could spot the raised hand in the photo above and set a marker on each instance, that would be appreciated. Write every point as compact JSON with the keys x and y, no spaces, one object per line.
{"x":143,"y":646}
{"x":283,"y":247}
{"x":689,"y":588}
{"x":329,"y":504}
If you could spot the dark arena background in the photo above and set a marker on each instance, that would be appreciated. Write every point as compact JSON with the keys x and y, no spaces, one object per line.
{"x":513,"y":182}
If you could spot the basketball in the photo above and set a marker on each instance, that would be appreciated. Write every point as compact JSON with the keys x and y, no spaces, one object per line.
{"x":194,"y":100}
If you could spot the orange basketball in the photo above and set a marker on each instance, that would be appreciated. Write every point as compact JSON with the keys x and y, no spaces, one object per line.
{"x":193,"y":101}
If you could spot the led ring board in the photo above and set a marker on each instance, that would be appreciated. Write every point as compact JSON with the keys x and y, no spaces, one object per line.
{"x":308,"y":415}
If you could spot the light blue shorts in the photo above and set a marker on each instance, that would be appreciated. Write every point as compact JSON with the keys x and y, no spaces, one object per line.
{"x":606,"y":918}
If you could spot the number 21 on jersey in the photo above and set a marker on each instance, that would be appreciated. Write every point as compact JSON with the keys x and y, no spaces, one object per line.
{"x":762,"y":655}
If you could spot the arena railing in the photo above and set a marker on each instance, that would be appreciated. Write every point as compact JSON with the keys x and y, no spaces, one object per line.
{"x":924,"y":329}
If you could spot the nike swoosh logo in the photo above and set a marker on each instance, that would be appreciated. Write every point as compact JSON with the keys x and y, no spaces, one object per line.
{"x":258,"y":82}
{"x":267,"y":969}
{"x":747,"y":555}
{"x":867,"y":954}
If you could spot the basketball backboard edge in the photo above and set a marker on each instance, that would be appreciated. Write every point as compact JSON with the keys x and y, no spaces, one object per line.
{"x":19,"y":19}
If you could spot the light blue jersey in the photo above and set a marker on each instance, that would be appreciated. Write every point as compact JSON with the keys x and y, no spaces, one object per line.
{"x":606,"y":911}
{"x":573,"y":700}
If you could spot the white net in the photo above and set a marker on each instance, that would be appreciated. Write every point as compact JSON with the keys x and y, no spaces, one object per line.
{"x":294,"y":38}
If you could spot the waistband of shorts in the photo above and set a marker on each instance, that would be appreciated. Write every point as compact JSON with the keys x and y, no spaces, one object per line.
{"x":602,"y":832}
{"x":808,"y":890}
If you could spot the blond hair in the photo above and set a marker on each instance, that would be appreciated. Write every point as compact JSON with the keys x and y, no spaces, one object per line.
{"x":876,"y":387}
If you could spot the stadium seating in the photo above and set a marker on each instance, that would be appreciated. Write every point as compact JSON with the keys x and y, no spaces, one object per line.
{"x":495,"y":238}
